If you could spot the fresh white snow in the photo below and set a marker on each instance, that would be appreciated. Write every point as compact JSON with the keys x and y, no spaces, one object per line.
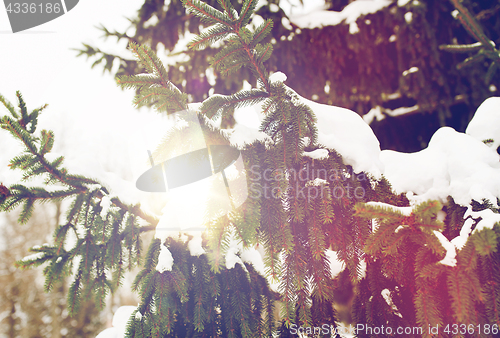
{"x":336,"y":265}
{"x":277,"y":77}
{"x":110,"y":332}
{"x":408,"y":17}
{"x":405,"y":211}
{"x":105,"y":205}
{"x":318,"y":154}
{"x":165,"y":260}
{"x":449,"y":258}
{"x":386,"y":293}
{"x":254,"y":257}
{"x":34,"y":256}
{"x":401,"y":110}
{"x":316,"y":182}
{"x":321,"y":17}
{"x":460,"y":240}
{"x":463,"y":166}
{"x":120,"y":319}
{"x":346,"y":132}
{"x":485,"y":124}
{"x":232,"y":258}
{"x":374,"y":113}
{"x":232,"y":255}
{"x":487,"y":219}
{"x":454,"y":164}
{"x":412,"y":69}
{"x":194,"y":245}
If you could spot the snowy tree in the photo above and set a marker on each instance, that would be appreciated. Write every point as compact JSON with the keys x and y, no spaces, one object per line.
{"x":416,"y":234}
{"x":381,"y":59}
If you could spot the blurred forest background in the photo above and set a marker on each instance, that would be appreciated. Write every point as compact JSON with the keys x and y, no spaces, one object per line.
{"x":391,"y":71}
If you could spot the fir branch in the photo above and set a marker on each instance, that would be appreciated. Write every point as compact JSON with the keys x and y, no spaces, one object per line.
{"x":228,"y":69}
{"x":140,"y":81}
{"x":257,"y":67}
{"x":427,"y":309}
{"x":485,"y":48}
{"x":385,"y":212}
{"x":9,"y":107}
{"x":491,"y":71}
{"x":217,"y":103}
{"x":209,"y":36}
{"x":29,"y":141}
{"x":261,"y":32}
{"x":218,"y":242}
{"x":485,"y":241}
{"x":22,"y":109}
{"x":74,"y":295}
{"x":270,"y":222}
{"x":224,"y":26}
{"x":60,"y":236}
{"x":144,"y":59}
{"x":47,"y":141}
{"x":462,"y":48}
{"x":263,"y":52}
{"x":18,"y":131}
{"x":460,"y":296}
{"x":470,"y":23}
{"x":154,"y":89}
{"x":394,"y":241}
{"x":161,"y":97}
{"x":33,"y":118}
{"x":151,"y":260}
{"x":206,"y":12}
{"x":246,"y":12}
{"x":234,"y":50}
{"x":316,"y":237}
{"x":470,"y":60}
{"x":228,"y":8}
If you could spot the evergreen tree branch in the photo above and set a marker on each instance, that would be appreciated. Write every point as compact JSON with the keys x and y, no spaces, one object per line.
{"x":209,"y":36}
{"x":155,"y":88}
{"x":484,"y":48}
{"x":228,"y":8}
{"x":225,"y":26}
{"x":206,"y":12}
